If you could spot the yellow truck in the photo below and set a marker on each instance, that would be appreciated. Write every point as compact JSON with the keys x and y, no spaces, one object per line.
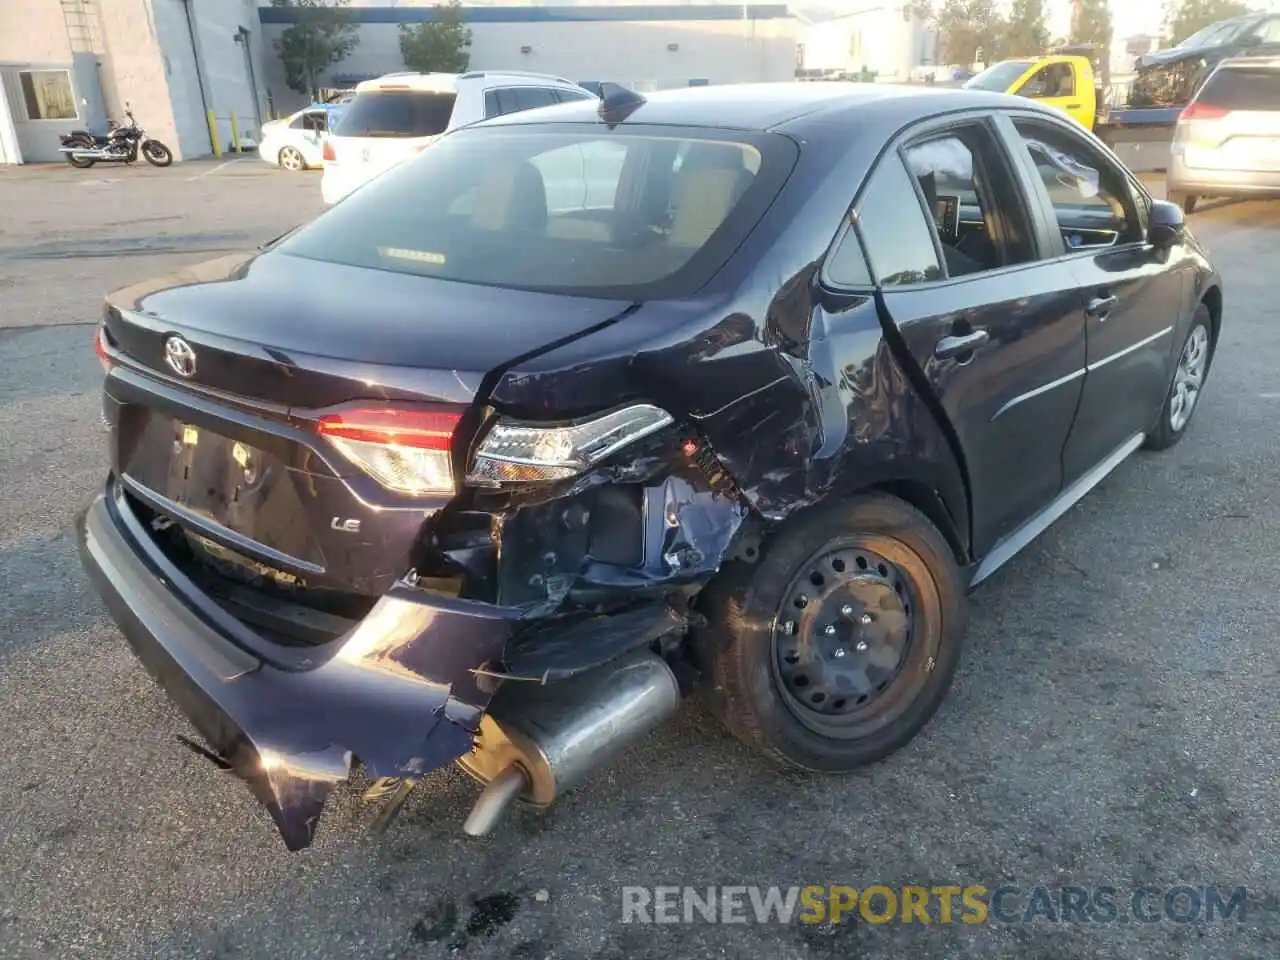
{"x":1066,"y":83}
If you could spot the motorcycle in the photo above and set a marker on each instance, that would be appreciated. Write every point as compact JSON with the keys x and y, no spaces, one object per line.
{"x":122,"y":144}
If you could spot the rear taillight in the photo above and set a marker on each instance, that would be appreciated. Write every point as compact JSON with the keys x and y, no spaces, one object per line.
{"x":100,"y":348}
{"x":328,"y":154}
{"x":1203,"y":111}
{"x":407,"y":451}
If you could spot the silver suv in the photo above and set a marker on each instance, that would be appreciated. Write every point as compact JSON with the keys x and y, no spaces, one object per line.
{"x":1227,"y":142}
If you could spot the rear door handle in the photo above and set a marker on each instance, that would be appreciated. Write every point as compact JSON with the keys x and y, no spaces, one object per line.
{"x":1100,"y":306}
{"x":950,"y":347}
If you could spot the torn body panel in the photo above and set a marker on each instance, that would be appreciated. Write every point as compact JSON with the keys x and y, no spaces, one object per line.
{"x":400,"y":694}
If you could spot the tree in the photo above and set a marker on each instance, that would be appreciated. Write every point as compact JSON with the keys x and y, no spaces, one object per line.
{"x":1186,"y":17}
{"x":1025,"y":33}
{"x":1091,"y":24}
{"x":323,"y":33}
{"x":967,"y":28}
{"x":442,"y":45}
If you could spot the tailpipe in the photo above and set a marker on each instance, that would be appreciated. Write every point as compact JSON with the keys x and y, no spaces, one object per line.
{"x":537,"y":741}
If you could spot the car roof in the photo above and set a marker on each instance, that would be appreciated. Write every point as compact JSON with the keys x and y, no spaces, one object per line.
{"x":790,"y":106}
{"x":448,"y":82}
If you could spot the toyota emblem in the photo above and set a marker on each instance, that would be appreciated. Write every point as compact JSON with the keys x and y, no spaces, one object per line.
{"x":180,"y":357}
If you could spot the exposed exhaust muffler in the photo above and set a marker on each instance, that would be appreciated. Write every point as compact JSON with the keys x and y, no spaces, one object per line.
{"x":93,"y":153}
{"x":537,"y":741}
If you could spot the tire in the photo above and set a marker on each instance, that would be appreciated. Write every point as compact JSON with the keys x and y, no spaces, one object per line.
{"x":1187,"y":201}
{"x":156,"y":153}
{"x":907,"y":652}
{"x":1196,"y":350}
{"x":289,"y":158}
{"x":79,"y":164}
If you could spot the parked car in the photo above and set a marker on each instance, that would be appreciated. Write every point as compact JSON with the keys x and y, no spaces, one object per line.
{"x":397,"y":115}
{"x":1227,"y":141}
{"x":1169,"y":78}
{"x":448,"y":473}
{"x":297,"y":141}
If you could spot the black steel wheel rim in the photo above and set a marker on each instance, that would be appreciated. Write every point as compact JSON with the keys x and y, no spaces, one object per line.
{"x":843,"y":633}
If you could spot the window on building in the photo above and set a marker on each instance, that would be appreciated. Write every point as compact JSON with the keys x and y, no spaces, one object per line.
{"x":48,"y":94}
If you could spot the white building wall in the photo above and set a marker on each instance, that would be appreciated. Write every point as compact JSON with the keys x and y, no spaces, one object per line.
{"x":881,"y":38}
{"x":635,"y":53}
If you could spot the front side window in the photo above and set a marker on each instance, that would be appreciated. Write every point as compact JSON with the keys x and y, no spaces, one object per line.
{"x":47,"y":94}
{"x":574,"y":211}
{"x":397,"y":113}
{"x":1052,"y":80}
{"x":312,"y":120}
{"x":1091,"y":199}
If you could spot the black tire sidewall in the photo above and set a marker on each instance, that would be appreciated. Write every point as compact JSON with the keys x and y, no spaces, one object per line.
{"x":742,"y":662}
{"x":168,"y":155}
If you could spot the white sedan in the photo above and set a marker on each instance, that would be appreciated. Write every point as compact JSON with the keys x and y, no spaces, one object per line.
{"x":297,"y":141}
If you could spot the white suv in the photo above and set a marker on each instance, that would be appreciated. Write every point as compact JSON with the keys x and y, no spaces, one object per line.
{"x":395,"y":116}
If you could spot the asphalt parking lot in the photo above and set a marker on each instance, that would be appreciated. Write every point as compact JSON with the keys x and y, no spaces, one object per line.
{"x":1114,"y":720}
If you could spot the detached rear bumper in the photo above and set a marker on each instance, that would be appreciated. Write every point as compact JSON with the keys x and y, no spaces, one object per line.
{"x":398,"y":693}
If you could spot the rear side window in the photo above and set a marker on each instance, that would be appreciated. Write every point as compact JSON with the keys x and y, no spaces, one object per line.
{"x":582,"y":211}
{"x":1243,"y":89}
{"x":397,"y":113}
{"x":515,"y":99}
{"x":898,"y":237}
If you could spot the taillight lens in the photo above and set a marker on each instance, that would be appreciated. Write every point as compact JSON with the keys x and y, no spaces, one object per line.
{"x":407,"y":451}
{"x":328,"y":154}
{"x":100,"y":348}
{"x":1203,"y":111}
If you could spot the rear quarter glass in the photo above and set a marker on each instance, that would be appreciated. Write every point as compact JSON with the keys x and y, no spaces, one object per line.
{"x":537,"y":207}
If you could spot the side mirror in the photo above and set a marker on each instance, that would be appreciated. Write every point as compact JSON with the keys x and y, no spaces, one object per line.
{"x":1166,"y":225}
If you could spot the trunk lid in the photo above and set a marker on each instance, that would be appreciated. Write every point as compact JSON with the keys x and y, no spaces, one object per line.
{"x":301,"y":333}
{"x":229,"y":454}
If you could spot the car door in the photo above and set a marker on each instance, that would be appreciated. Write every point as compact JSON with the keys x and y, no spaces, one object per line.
{"x":1130,"y":296}
{"x":311,"y":134}
{"x":995,"y":333}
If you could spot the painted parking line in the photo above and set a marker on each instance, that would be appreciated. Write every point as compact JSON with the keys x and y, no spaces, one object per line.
{"x":211,"y":170}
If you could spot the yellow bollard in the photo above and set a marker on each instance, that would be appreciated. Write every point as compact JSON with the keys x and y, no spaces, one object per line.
{"x":235,"y":133}
{"x":213,"y":135}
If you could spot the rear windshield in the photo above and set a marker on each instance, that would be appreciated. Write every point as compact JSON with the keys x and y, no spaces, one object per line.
{"x":1243,"y":89}
{"x":1000,"y":77}
{"x":396,"y":113}
{"x":637,"y":212}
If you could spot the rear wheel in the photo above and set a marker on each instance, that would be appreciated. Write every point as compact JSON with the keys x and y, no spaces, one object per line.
{"x":78,"y":163}
{"x":1188,"y":381}
{"x":1187,"y":201}
{"x":838,"y":646}
{"x":290,"y":159}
